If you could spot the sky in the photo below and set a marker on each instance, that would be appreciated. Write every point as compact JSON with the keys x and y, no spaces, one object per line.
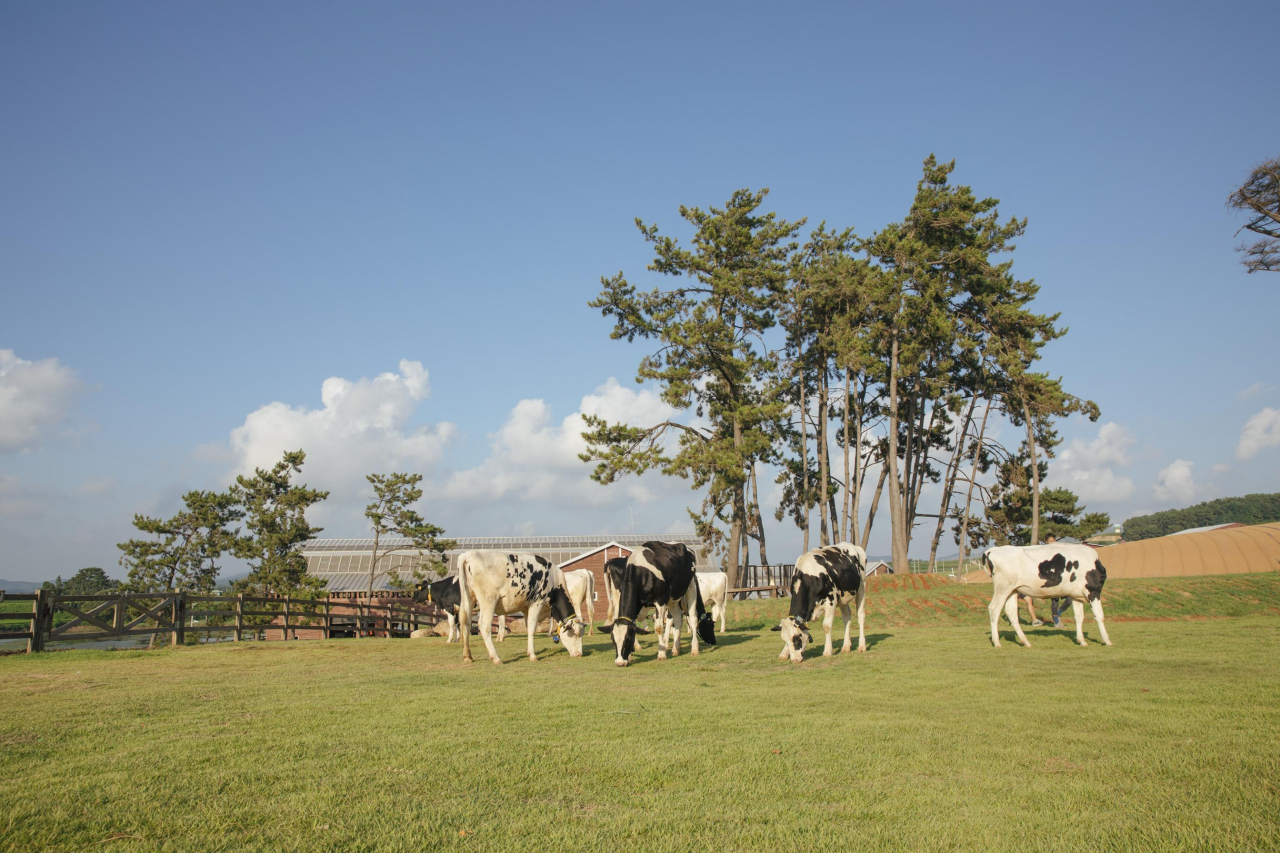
{"x":372,"y":231}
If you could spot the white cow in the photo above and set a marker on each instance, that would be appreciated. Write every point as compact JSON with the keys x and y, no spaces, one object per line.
{"x":1045,"y":571}
{"x":714,"y":588}
{"x":580,"y":584}
{"x":502,"y":583}
{"x":825,"y":578}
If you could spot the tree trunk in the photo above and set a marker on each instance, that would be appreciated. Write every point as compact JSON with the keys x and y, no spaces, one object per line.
{"x":859,"y":470}
{"x":973,"y":477}
{"x":922,"y":468}
{"x":875,"y":502}
{"x":755,"y":499}
{"x":949,"y":483}
{"x":848,"y":483}
{"x":739,"y":512}
{"x":897,"y":510}
{"x":804,"y":458}
{"x":824,"y":467}
{"x":1035,"y":474}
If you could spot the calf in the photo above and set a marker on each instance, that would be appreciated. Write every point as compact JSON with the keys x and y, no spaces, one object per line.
{"x":828,"y":577}
{"x":580,"y":585}
{"x":660,"y":575}
{"x":1045,"y":571}
{"x":504,"y":583}
{"x":714,"y":589}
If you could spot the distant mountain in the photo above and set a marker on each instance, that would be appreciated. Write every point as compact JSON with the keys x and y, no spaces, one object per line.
{"x":18,"y":586}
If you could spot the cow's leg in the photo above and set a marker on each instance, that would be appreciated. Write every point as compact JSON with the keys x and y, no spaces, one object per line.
{"x":1096,"y":606}
{"x":691,"y":614}
{"x":660,"y":623}
{"x":502,"y":628}
{"x":464,"y":626}
{"x":1011,"y":610}
{"x":828,"y":622}
{"x":722,"y":605}
{"x":847,"y":615}
{"x":531,"y":616}
{"x":862,"y":615}
{"x":486,"y":629}
{"x":675,"y":616}
{"x":999,"y":596}
{"x":1077,"y":607}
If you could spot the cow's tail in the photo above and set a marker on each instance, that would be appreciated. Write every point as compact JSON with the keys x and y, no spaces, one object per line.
{"x":706,"y":625}
{"x":986,"y":563}
{"x":464,"y":596}
{"x":588,"y":605}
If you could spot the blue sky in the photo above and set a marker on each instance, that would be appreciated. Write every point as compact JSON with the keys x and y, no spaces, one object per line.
{"x":210,"y":210}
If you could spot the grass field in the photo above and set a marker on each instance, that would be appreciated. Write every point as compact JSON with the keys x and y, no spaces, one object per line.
{"x":931,"y":741}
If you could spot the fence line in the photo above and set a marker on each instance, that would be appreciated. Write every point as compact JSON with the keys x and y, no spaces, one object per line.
{"x":116,"y":615}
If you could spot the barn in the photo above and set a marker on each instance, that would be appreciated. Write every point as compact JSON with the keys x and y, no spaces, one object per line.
{"x":344,"y":564}
{"x":594,"y":560}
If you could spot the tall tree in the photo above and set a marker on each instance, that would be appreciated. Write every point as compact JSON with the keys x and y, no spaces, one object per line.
{"x":1259,"y":198}
{"x":391,"y":514}
{"x":938,"y":257}
{"x":275,"y":514}
{"x":710,"y":356}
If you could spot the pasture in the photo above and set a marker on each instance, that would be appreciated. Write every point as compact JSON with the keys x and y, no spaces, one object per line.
{"x":932,"y":740}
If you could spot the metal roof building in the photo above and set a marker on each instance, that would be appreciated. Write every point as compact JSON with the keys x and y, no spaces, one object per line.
{"x":344,"y":563}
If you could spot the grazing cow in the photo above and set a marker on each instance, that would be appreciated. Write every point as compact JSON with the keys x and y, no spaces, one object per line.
{"x":1045,"y":571}
{"x":714,"y":589}
{"x":660,"y":575}
{"x":503,"y":583}
{"x":580,"y":584}
{"x":827,"y":577}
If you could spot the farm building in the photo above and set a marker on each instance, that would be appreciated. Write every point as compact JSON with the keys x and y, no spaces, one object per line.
{"x":344,"y":563}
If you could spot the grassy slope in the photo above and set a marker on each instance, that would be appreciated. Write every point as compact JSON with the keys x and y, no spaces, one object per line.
{"x":930,"y":741}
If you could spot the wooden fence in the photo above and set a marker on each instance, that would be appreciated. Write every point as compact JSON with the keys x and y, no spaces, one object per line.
{"x":175,"y":614}
{"x":774,"y":580}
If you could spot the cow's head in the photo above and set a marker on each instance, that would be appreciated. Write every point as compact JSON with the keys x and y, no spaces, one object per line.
{"x":421,"y":592}
{"x":624,"y":640}
{"x":795,"y":634}
{"x":569,"y":634}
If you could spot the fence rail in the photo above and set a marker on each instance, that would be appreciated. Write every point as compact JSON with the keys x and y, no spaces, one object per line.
{"x":173,"y":614}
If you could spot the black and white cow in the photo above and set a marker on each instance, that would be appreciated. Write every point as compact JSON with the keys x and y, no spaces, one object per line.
{"x":660,"y":575}
{"x":498,"y":582}
{"x":443,"y":594}
{"x":827,"y":577}
{"x":1045,"y":571}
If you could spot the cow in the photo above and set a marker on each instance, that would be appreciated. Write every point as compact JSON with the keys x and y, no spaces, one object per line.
{"x":828,"y":577}
{"x":580,"y":585}
{"x":660,"y":575}
{"x":498,"y":582}
{"x":714,"y":589}
{"x":444,"y":595}
{"x":1045,"y":571}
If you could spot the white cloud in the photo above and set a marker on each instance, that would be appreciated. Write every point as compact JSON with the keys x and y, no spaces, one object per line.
{"x":1174,"y":482}
{"x":1260,"y":431}
{"x":362,"y":427}
{"x":1086,"y":467}
{"x":1221,"y":469}
{"x":35,"y":396}
{"x":1254,"y":390}
{"x":532,"y":458}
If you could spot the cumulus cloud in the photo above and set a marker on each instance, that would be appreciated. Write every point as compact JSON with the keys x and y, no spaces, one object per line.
{"x":360,"y":427}
{"x":1087,"y":467}
{"x":1260,"y":432}
{"x":534,"y":458}
{"x":1174,"y":482}
{"x":35,"y":396}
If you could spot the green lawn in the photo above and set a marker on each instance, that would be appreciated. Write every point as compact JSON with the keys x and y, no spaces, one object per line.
{"x":931,"y":741}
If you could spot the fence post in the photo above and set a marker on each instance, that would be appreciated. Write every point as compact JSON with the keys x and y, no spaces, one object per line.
{"x":239,"y":615}
{"x":328,"y":621}
{"x":179,"y":618}
{"x":286,"y":617}
{"x":117,"y":621}
{"x":35,"y":643}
